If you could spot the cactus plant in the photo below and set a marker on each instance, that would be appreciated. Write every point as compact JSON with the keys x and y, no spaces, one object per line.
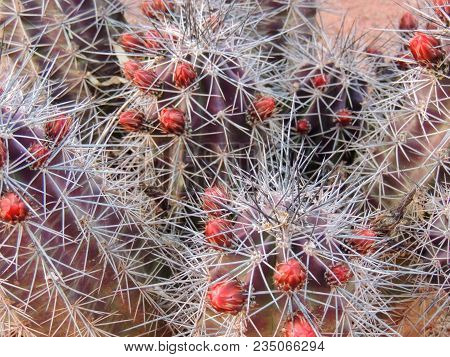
{"x":281,"y":250}
{"x":327,"y":87}
{"x":415,"y":144}
{"x":69,"y":42}
{"x":75,"y":258}
{"x":257,"y":177}
{"x":199,"y":106}
{"x":408,"y":164}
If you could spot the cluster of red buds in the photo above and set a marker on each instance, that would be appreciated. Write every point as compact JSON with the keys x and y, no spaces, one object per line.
{"x":289,"y":275}
{"x":217,"y":229}
{"x":151,"y":41}
{"x":227,"y":296}
{"x":12,"y":208}
{"x":172,"y":120}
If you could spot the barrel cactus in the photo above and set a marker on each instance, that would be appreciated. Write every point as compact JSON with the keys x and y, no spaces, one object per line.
{"x":327,"y":88}
{"x":415,"y":142}
{"x":280,"y":254}
{"x":407,"y":163}
{"x":69,"y":42}
{"x":75,"y":257}
{"x":195,"y":105}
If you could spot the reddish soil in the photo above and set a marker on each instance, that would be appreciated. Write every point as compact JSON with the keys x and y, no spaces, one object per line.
{"x":368,"y":15}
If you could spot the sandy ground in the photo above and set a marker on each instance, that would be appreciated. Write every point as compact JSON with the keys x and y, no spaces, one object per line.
{"x":366,"y":14}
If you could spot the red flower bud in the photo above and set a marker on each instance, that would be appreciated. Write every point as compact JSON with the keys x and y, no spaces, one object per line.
{"x":262,"y":108}
{"x":226,"y":297}
{"x":131,"y":120}
{"x":3,"y":153}
{"x":153,"y":40}
{"x":298,"y":326}
{"x":58,"y":128}
{"x":344,"y":117}
{"x":129,"y":69}
{"x":218,"y":232}
{"x":426,"y":49}
{"x":39,"y":155}
{"x":363,"y":245}
{"x":147,"y":81}
{"x":131,"y":42}
{"x":338,"y":274}
{"x":303,"y":126}
{"x":214,"y":199}
{"x":184,"y":74}
{"x":172,"y":121}
{"x":408,"y":22}
{"x":151,"y":7}
{"x":289,"y":275}
{"x":319,"y":81}
{"x":12,"y":208}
